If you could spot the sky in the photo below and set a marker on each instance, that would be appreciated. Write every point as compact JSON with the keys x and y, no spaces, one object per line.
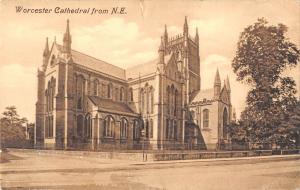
{"x":132,"y":38}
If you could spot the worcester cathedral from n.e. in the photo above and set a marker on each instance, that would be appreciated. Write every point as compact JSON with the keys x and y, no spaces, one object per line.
{"x":84,"y":102}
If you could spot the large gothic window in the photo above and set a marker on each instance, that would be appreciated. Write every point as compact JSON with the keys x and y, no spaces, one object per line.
{"x":205,"y":118}
{"x":123,"y":128}
{"x":109,"y":125}
{"x":50,"y":95}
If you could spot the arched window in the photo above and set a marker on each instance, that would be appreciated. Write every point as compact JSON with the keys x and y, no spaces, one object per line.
{"x":205,"y":118}
{"x":50,"y":95}
{"x":109,"y":90}
{"x":122,"y":94}
{"x":96,"y":87}
{"x":136,"y":130}
{"x":88,"y":126}
{"x":79,"y":126}
{"x":130,"y":95}
{"x":123,"y":128}
{"x":109,"y":125}
{"x":225,"y":123}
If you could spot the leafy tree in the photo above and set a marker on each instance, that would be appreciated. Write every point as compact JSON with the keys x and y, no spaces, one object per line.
{"x":12,"y":128}
{"x":263,"y":53}
{"x":11,"y":117}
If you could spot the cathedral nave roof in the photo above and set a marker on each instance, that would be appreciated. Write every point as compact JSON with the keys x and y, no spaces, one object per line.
{"x":96,"y":64}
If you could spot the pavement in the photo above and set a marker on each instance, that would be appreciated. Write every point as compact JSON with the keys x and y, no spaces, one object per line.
{"x":35,"y":170}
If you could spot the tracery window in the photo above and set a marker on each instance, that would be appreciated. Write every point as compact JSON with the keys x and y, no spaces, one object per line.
{"x":109,"y":125}
{"x":123,"y":128}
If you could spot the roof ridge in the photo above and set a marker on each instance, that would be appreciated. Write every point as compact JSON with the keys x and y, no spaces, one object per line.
{"x":94,"y":58}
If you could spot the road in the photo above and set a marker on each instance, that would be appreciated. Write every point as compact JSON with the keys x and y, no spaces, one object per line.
{"x":36,"y":171}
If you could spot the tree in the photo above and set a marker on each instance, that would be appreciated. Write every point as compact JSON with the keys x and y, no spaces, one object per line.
{"x":263,"y":53}
{"x":12,"y":128}
{"x":11,"y":117}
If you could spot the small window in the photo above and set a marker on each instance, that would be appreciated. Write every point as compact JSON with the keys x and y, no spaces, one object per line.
{"x":130,"y":94}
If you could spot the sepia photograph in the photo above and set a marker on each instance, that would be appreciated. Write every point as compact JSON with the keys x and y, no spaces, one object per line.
{"x":150,"y":95}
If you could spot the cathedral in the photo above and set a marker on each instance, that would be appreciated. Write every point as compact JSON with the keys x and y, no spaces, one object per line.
{"x":86,"y":103}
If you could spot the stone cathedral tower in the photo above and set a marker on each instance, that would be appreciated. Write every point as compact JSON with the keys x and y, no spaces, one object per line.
{"x":86,"y":103}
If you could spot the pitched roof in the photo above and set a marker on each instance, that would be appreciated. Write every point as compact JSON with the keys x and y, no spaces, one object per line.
{"x":141,"y":69}
{"x":110,"y":105}
{"x":207,"y":94}
{"x":96,"y":64}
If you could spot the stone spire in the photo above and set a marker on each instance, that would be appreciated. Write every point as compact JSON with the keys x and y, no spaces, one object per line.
{"x":217,"y":78}
{"x":227,"y":84}
{"x":161,"y":52}
{"x":185,"y":26}
{"x":165,"y":36}
{"x":197,"y":37}
{"x":217,"y":85}
{"x":67,"y":40}
{"x":46,"y":50}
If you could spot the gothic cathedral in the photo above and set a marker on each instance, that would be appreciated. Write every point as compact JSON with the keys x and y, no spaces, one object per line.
{"x":86,"y":103}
